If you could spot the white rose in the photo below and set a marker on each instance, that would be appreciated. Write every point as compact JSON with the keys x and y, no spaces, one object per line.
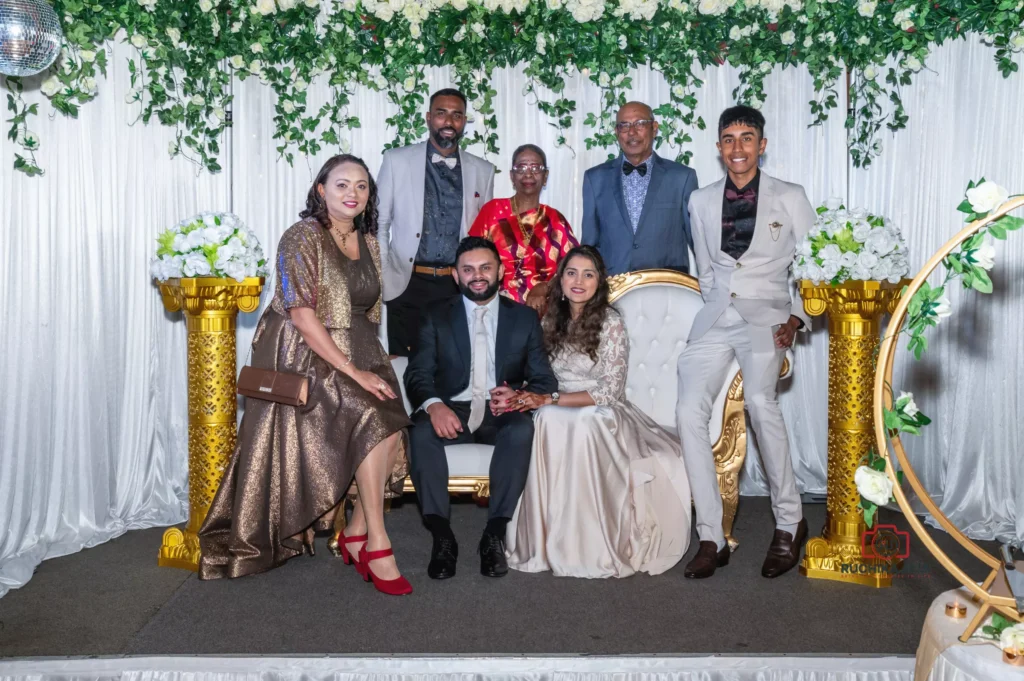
{"x":943,"y":308}
{"x":848,"y":259}
{"x":604,"y":80}
{"x":174,"y":34}
{"x":139,"y":41}
{"x":236,"y":27}
{"x":88,"y":84}
{"x":51,"y":86}
{"x":830,"y":253}
{"x":623,"y":43}
{"x":205,"y":5}
{"x":788,"y":38}
{"x":910,"y":408}
{"x":149,"y":5}
{"x":478,"y":28}
{"x":913,"y":63}
{"x":198,"y":100}
{"x":735,"y":33}
{"x":875,"y":486}
{"x":1012,"y":638}
{"x":1017,"y":42}
{"x":256,"y":48}
{"x":542,"y":43}
{"x":460,"y":5}
{"x":195,"y":265}
{"x":461,"y":34}
{"x":256,"y":66}
{"x":863,"y":40}
{"x":746,"y":31}
{"x":301,"y":85}
{"x":808,"y":41}
{"x":861,"y":230}
{"x":237,"y":61}
{"x":870,"y":72}
{"x":879,"y":242}
{"x":87,"y":56}
{"x":766,"y":67}
{"x":833,"y":203}
{"x":288,"y":106}
{"x":986,"y":197}
{"x":346,"y":146}
{"x":712,"y":7}
{"x":756,"y":103}
{"x":866,"y":9}
{"x":804,"y":248}
{"x":866,"y":261}
{"x":218,"y":115}
{"x":410,"y":84}
{"x":311,"y":3}
{"x":985,"y":255}
{"x":678,"y":91}
{"x":286,"y":5}
{"x":264,"y":7}
{"x":415,"y":31}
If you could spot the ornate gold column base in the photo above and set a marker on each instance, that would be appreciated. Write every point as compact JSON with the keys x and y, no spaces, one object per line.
{"x":855,"y":310}
{"x":211,"y":306}
{"x":179,"y":550}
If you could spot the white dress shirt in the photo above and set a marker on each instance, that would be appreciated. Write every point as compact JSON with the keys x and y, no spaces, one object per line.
{"x":491,"y":327}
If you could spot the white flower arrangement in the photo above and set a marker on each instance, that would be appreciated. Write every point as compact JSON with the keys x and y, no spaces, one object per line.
{"x":1012,"y":639}
{"x":208,"y":245}
{"x":845,"y":245}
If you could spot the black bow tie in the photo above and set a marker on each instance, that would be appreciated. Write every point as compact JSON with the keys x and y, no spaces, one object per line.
{"x":628,"y":168}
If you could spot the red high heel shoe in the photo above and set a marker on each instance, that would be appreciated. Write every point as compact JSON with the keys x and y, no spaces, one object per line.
{"x":347,"y":556}
{"x":391,"y":587}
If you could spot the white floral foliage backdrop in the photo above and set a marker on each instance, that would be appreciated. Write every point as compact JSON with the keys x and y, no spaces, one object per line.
{"x":92,"y":431}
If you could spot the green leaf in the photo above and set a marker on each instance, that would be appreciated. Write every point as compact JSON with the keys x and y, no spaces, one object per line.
{"x":981,"y":282}
{"x":869,"y":512}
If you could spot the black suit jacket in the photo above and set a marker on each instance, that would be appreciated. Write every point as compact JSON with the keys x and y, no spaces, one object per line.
{"x":442,"y":364}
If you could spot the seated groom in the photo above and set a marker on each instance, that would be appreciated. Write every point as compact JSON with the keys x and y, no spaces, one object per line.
{"x":473,"y":348}
{"x":634,"y":206}
{"x":745,"y":230}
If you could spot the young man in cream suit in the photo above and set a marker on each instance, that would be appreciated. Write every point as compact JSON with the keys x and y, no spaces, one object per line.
{"x":429,"y":194}
{"x":745,"y":230}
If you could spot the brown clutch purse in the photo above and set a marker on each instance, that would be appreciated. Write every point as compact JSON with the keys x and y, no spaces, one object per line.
{"x":275,"y":386}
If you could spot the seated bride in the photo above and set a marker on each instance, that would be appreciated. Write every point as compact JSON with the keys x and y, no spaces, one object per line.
{"x":607,"y":494}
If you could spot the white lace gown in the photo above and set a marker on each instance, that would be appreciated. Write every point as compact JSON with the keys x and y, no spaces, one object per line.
{"x":607,"y":494}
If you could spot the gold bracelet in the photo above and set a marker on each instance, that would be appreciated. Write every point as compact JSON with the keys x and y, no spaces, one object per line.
{"x":339,"y":368}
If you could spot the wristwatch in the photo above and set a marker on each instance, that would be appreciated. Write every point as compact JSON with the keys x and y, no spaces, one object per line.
{"x":554,"y":397}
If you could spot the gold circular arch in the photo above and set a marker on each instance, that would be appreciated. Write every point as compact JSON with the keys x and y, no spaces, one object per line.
{"x":992,"y":593}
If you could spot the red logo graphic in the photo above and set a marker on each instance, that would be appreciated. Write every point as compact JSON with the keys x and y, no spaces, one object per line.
{"x":885,"y":542}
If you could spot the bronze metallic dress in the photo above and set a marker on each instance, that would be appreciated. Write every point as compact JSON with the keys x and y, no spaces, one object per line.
{"x":294,"y":464}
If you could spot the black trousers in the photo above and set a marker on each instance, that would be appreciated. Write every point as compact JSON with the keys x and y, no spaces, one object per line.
{"x":404,"y":311}
{"x":512,"y":437}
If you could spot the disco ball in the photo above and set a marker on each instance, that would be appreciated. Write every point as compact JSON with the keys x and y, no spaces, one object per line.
{"x":30,"y":37}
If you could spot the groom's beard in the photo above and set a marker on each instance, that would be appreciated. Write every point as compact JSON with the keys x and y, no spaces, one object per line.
{"x":486,"y":294}
{"x":445,"y":142}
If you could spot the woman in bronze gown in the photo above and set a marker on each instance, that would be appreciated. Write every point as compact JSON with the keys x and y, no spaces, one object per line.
{"x":294,"y":465}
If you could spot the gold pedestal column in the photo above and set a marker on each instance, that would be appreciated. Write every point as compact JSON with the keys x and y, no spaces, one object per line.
{"x":855,"y":311}
{"x":211,"y":307}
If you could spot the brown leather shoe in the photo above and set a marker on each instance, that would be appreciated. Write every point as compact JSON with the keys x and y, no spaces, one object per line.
{"x":784,"y":553}
{"x":707,"y":559}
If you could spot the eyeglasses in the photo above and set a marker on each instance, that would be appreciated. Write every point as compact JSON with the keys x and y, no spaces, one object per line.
{"x":626,"y":126}
{"x":524,"y":168}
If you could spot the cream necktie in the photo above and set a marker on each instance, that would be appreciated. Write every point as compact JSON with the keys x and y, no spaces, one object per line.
{"x":479,"y":377}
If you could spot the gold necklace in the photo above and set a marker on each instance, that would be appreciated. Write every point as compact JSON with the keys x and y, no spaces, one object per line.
{"x":342,"y":235}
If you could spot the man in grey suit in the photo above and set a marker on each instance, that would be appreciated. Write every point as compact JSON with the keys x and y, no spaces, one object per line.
{"x":634,"y":206}
{"x":746,"y":228}
{"x":429,"y":195}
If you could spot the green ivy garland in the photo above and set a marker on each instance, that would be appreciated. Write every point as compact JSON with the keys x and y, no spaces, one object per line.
{"x":187,"y":51}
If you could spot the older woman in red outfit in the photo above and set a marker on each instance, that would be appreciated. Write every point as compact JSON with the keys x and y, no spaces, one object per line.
{"x":531,"y":237}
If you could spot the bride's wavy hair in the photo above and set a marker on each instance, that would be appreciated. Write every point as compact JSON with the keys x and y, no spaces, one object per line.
{"x":584,"y":334}
{"x":316,"y":206}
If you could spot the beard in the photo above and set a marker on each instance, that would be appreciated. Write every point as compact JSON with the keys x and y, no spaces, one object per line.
{"x":476,"y":297}
{"x":445,"y":142}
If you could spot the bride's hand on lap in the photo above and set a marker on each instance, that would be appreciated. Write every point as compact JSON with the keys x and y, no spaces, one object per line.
{"x":527,"y":401}
{"x":501,"y":398}
{"x":373,"y":384}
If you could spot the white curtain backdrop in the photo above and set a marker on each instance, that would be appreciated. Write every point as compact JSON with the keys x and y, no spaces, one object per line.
{"x":93,"y":437}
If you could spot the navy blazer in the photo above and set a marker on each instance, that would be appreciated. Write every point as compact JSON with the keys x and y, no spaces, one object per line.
{"x":663,"y":233}
{"x":442,"y":364}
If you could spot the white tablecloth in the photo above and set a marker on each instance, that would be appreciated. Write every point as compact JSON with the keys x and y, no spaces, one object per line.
{"x":942,"y":657}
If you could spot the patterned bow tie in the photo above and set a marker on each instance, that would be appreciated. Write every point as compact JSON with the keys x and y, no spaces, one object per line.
{"x":747,"y":195}
{"x":450,"y":161}
{"x":628,"y":168}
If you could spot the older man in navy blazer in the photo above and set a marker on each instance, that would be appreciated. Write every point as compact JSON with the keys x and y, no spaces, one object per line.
{"x":635,"y":206}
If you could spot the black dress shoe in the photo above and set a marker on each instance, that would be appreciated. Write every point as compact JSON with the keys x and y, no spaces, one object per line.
{"x":492,"y":556}
{"x":443,"y":557}
{"x":784,"y":553}
{"x":708,"y":558}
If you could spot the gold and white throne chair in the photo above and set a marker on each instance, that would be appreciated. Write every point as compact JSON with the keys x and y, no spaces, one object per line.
{"x":658,"y":307}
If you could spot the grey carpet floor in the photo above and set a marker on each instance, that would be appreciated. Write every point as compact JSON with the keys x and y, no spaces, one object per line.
{"x":113,"y":599}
